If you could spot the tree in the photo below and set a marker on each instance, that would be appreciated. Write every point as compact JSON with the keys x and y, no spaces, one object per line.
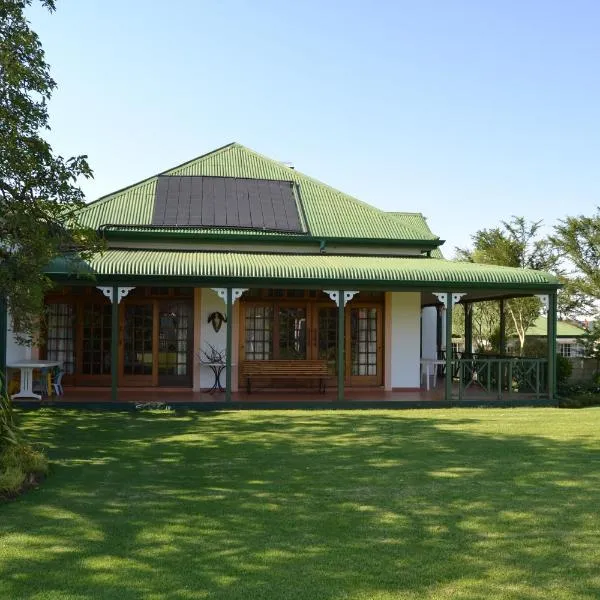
{"x":514,"y":244}
{"x":39,"y":195}
{"x":578,"y":240}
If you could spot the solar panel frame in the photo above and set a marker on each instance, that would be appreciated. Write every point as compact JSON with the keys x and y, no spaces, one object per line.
{"x":230,"y":202}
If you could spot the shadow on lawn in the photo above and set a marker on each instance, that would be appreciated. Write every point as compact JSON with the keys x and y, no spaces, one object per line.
{"x":302,"y":505}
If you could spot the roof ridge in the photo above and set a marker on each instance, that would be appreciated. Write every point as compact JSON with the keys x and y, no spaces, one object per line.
{"x":149,"y":179}
{"x":301,"y":175}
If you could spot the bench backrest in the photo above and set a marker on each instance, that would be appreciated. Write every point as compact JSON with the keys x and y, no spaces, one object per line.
{"x":271,"y":368}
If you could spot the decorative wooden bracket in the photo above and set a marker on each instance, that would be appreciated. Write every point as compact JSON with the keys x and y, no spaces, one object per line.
{"x":121,"y":292}
{"x":443,"y":296}
{"x":235,"y":293}
{"x":334,"y":295}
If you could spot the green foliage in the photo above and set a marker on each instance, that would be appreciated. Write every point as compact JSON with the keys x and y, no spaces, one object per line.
{"x":515,"y":244}
{"x":20,"y":464}
{"x":39,"y":196}
{"x":536,"y":348}
{"x":578,"y":239}
{"x":579,"y":395}
{"x":564,"y":368}
{"x":9,"y":433}
{"x":591,"y":341}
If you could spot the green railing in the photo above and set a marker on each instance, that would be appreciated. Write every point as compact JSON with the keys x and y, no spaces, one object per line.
{"x":501,"y":377}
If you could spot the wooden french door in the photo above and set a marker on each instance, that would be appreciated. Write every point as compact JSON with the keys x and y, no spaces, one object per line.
{"x":364,"y":345}
{"x":156,"y":343}
{"x":363,"y":342}
{"x":138,"y":326}
{"x":277,"y":331}
{"x":287,"y":328}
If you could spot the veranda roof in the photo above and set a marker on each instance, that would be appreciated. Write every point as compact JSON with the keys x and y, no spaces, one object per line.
{"x":258,"y":269}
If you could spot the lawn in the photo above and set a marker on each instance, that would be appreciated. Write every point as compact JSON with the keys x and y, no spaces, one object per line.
{"x":309,"y":505}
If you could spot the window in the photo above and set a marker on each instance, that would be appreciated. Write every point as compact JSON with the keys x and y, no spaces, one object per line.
{"x":275,"y":332}
{"x":565,"y":350}
{"x":363,"y":331}
{"x":259,"y":332}
{"x":96,"y":341}
{"x":60,"y":335}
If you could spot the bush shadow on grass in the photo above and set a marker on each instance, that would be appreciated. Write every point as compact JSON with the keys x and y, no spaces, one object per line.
{"x":304,"y":505}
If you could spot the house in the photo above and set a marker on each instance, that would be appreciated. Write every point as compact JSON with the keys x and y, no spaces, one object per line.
{"x":569,"y":336}
{"x":238,"y":254}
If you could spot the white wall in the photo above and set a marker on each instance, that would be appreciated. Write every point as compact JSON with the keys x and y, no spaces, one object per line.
{"x":209,"y":303}
{"x":406,"y":339}
{"x":14,"y":351}
{"x":429,"y":332}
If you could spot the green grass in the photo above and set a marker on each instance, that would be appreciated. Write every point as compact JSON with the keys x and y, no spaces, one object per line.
{"x":313,"y":505}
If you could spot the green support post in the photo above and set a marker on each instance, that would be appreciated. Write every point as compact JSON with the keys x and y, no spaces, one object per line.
{"x":552,"y":306}
{"x":114,"y":344}
{"x":3,"y":335}
{"x":340,"y":355}
{"x":502,"y":349}
{"x":502,"y":328}
{"x":448,"y":346}
{"x":229,"y":344}
{"x":468,"y":328}
{"x":438,"y":330}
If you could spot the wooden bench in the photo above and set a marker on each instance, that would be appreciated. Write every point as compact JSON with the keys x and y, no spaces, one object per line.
{"x":285,"y":369}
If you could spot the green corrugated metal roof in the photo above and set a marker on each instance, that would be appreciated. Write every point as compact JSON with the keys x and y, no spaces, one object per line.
{"x":329,"y":212}
{"x":231,"y":266}
{"x":418,"y":222}
{"x":563,"y":328}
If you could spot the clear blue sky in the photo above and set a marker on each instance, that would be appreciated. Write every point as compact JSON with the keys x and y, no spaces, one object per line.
{"x":468,"y":111}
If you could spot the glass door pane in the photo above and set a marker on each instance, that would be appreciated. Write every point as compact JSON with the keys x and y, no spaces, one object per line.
{"x":292,"y":333}
{"x":327,"y":337}
{"x":259,"y":333}
{"x":60,"y":338}
{"x":363,"y":341}
{"x":175,"y":340}
{"x":137,"y":339}
{"x":97,"y":335}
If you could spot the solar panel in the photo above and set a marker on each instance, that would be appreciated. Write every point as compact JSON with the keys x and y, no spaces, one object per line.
{"x":204,"y":201}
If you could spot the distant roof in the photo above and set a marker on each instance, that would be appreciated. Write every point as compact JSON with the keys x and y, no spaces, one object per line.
{"x":329,"y":213}
{"x":563,"y":328}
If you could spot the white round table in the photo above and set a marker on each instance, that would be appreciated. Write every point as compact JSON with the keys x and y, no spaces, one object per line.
{"x":27,"y":367}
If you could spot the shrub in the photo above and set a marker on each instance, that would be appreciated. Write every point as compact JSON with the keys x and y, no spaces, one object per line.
{"x":579,"y":395}
{"x":564,"y":368}
{"x":20,"y":464}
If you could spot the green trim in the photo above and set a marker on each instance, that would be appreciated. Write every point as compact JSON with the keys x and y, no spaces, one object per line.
{"x":502,"y":341}
{"x":341,"y":354}
{"x":552,"y":310}
{"x":114,"y":344}
{"x":295,"y":283}
{"x":153,"y":234}
{"x":228,"y":352}
{"x":448,"y":380}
